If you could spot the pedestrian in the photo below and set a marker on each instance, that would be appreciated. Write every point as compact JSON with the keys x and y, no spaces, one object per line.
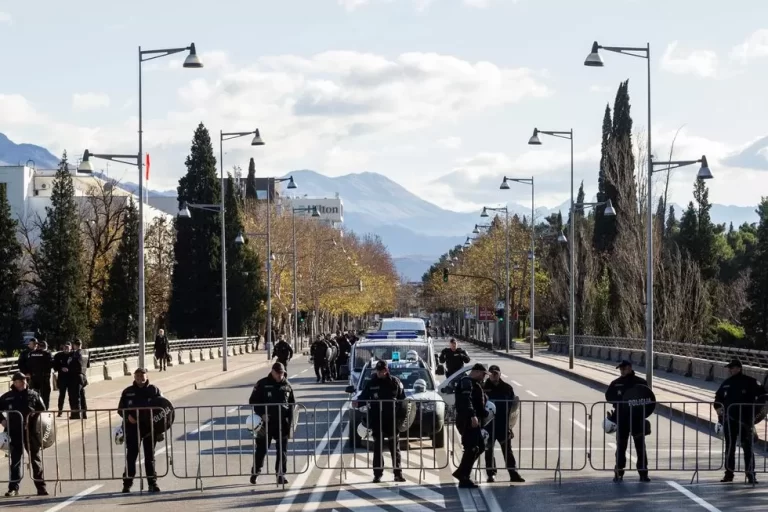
{"x":133,"y":407}
{"x":77,"y":367}
{"x":40,"y":365}
{"x":162,"y":350}
{"x":501,"y":394}
{"x":22,"y":426}
{"x":739,"y":420}
{"x":334,"y":346}
{"x":470,"y":413}
{"x":453,"y":357}
{"x":60,"y":360}
{"x":383,"y":393}
{"x":268,"y":348}
{"x":283,"y":352}
{"x":629,"y":419}
{"x":319,"y":351}
{"x":23,"y":361}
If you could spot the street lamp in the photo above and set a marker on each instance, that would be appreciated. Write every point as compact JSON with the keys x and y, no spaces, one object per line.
{"x":594,"y":60}
{"x":535,"y":141}
{"x":484,"y":214}
{"x":505,"y":186}
{"x":315,"y":214}
{"x":192,"y":61}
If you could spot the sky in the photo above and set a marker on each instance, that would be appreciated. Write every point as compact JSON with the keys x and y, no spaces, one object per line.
{"x":441,"y":96}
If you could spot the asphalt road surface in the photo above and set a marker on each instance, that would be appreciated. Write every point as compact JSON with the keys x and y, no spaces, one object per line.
{"x":205,"y":464}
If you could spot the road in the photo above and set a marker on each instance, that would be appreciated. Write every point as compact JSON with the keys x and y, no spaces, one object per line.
{"x":554,"y":432}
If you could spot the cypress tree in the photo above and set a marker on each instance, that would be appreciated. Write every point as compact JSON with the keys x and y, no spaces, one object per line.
{"x":670,"y":229}
{"x":755,"y":317}
{"x":195,"y":309}
{"x":580,"y":200}
{"x":697,"y":234}
{"x":120,"y":307}
{"x":10,"y":277}
{"x":603,"y":225}
{"x":59,"y":284}
{"x":250,"y":182}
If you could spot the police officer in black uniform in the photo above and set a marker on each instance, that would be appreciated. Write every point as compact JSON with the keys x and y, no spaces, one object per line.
{"x":453,"y":357}
{"x":27,"y":404}
{"x":40,"y":365}
{"x":137,"y":426}
{"x":739,"y":421}
{"x":470,"y":412}
{"x":382,"y":417}
{"x":278,"y":418}
{"x":23,"y":361}
{"x":319,"y":351}
{"x":77,"y":367}
{"x":629,"y":420}
{"x":345,"y":348}
{"x":283,"y":352}
{"x":60,"y":362}
{"x":501,"y":394}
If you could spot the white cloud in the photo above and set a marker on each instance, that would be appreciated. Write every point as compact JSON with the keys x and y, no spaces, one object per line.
{"x":89,"y":100}
{"x":340,"y":161}
{"x":755,"y":46}
{"x":696,"y":62}
{"x":602,"y":89}
{"x":351,"y":5}
{"x":6,"y":18}
{"x":449,"y":143}
{"x":479,"y":4}
{"x":17,"y":110}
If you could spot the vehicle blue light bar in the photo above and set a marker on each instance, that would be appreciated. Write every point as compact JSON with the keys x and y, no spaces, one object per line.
{"x":392,"y":335}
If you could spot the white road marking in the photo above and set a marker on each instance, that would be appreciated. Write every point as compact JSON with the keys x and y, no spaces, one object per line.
{"x":205,"y":426}
{"x":517,"y":384}
{"x":348,"y":500}
{"x":490,"y":499}
{"x":71,"y":500}
{"x":553,"y":407}
{"x":293,"y":376}
{"x":467,"y":503}
{"x":699,"y":501}
{"x":579,"y":424}
{"x":392,"y":498}
{"x":230,"y":411}
{"x":612,"y":445}
{"x":531,"y":393}
{"x":304,"y":370}
{"x":322,"y":483}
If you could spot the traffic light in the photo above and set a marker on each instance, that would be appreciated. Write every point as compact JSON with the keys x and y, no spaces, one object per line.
{"x":500,"y":314}
{"x":302,"y":316}
{"x":445,"y":275}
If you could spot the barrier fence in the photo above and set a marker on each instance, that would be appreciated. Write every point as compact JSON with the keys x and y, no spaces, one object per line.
{"x":342,"y":436}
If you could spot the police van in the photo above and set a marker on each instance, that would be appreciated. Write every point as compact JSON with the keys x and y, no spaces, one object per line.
{"x":416,"y":325}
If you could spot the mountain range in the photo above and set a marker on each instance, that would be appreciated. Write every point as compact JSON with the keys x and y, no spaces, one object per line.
{"x":415,"y":231}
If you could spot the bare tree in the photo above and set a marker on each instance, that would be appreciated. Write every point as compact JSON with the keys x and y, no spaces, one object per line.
{"x":159,"y":243}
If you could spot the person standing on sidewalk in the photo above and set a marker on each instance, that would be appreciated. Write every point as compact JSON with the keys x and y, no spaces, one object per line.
{"x":162,"y":350}
{"x":60,"y":360}
{"x":77,"y":366}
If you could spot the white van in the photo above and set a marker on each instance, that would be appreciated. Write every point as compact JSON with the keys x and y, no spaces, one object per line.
{"x":416,"y":325}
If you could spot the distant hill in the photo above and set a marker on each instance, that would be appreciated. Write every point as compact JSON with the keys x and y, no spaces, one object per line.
{"x":19,"y":154}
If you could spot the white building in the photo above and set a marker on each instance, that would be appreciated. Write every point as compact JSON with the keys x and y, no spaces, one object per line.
{"x":29,"y":191}
{"x":331,"y":210}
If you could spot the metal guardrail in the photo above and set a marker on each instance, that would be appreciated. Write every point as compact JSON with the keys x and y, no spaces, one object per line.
{"x":714,"y":353}
{"x":115,"y":353}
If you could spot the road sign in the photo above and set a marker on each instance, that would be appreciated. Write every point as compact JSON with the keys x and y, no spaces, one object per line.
{"x":485,"y":314}
{"x":500,"y":304}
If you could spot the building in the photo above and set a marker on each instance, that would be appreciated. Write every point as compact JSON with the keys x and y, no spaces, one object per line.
{"x":331,"y":210}
{"x":29,"y":191}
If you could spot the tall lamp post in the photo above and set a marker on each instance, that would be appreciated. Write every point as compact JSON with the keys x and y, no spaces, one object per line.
{"x":507,"y":308}
{"x":608,"y":212}
{"x":505,"y":186}
{"x":192,"y":61}
{"x":315,"y":213}
{"x":535,"y":141}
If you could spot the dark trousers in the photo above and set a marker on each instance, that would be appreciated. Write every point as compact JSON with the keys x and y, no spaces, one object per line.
{"x":321,"y":370}
{"x":262,"y":445}
{"x":622,"y":442}
{"x":132,"y":453}
{"x":162,"y":361}
{"x":285,"y":363}
{"x":63,"y":386}
{"x":732,"y":430}
{"x":472,"y":441}
{"x":76,"y":397}
{"x":393,"y":445}
{"x":42,"y":384}
{"x":35,"y":458}
{"x":506,"y":451}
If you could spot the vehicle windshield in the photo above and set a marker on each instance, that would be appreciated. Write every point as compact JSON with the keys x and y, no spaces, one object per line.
{"x":396,"y":325}
{"x":406,"y":375}
{"x":366,"y":352}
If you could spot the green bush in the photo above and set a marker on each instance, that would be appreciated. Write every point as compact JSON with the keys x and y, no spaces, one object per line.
{"x":729,"y":334}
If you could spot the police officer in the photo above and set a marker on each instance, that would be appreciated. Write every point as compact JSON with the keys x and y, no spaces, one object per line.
{"x":629,"y":420}
{"x":40,"y":365}
{"x":319,"y":351}
{"x":60,"y":361}
{"x":333,"y":363}
{"x":345,"y":348}
{"x":23,"y":361}
{"x":137,"y":426}
{"x":453,"y":357}
{"x":273,"y":400}
{"x":77,"y":366}
{"x":738,"y":421}
{"x":27,"y":404}
{"x":382,"y":417}
{"x":470,"y":412}
{"x":283,"y":352}
{"x":501,"y":394}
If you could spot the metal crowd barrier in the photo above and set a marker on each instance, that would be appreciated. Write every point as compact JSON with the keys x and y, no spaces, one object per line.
{"x":213,"y":441}
{"x":671,"y":441}
{"x":743,"y":425}
{"x":14,"y":421}
{"x":545,"y":436}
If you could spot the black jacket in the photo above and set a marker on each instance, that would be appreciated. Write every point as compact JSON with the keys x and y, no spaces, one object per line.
{"x":470,"y":402}
{"x":60,"y":360}
{"x":319,"y":350}
{"x":77,"y":363}
{"x":454,"y":360}
{"x":40,"y":364}
{"x":136,"y":397}
{"x":23,"y":361}
{"x":161,"y":346}
{"x":382,"y":416}
{"x":740,"y":389}
{"x":623,"y":414}
{"x":274,"y":399}
{"x":501,"y":394}
{"x":25,"y":402}
{"x":282,"y":351}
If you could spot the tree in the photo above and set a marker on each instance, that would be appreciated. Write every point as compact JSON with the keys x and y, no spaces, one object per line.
{"x":59,"y":284}
{"x":159,"y":261}
{"x":604,"y":226}
{"x":10,"y":277}
{"x":697,"y":234}
{"x":671,"y":227}
{"x":755,"y":317}
{"x":118,"y":323}
{"x":250,"y":183}
{"x":196,"y":285}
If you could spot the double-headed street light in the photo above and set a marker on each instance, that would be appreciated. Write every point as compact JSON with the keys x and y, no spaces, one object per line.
{"x":192,"y":61}
{"x":315,"y":213}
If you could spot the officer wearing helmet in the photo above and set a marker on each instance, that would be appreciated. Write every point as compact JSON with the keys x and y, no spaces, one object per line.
{"x":384,"y":394}
{"x":27,"y":405}
{"x":134,"y":407}
{"x":272,"y":399}
{"x":470,"y":415}
{"x":501,"y":394}
{"x":629,"y":419}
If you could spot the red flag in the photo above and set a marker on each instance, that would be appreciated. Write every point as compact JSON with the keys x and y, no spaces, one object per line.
{"x":147,"y":167}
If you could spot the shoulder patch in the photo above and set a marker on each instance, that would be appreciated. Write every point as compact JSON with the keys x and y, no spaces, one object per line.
{"x":466,"y":383}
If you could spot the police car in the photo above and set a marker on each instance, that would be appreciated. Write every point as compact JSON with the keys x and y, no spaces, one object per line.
{"x":426,"y":410}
